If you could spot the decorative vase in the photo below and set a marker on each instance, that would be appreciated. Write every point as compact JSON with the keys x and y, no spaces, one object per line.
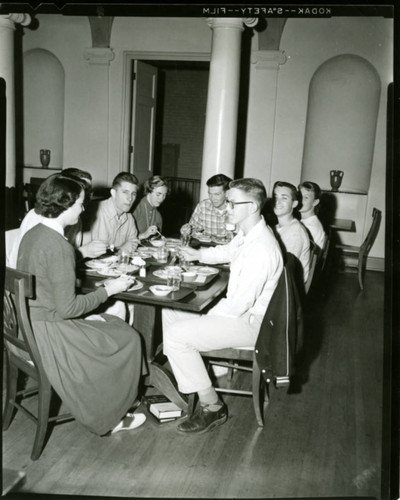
{"x":45,"y":157}
{"x":336,"y":179}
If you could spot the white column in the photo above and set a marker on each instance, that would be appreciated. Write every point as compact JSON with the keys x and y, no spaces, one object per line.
{"x":263,"y":84}
{"x":7,"y":28}
{"x":223,"y":97}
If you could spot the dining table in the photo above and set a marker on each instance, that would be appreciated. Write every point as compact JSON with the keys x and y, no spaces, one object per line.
{"x":195,"y":297}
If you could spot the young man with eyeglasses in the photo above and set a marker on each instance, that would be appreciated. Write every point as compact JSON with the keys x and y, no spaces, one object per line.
{"x":256,"y":265}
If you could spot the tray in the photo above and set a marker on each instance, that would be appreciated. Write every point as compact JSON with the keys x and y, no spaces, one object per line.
{"x":147,"y":294}
{"x":197,"y":283}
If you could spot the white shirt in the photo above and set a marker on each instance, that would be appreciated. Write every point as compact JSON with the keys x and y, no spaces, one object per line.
{"x":296,"y":241}
{"x":31,"y":219}
{"x":256,"y":265}
{"x":313,"y":224}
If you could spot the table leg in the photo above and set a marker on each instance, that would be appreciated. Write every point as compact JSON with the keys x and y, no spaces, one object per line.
{"x":159,"y":376}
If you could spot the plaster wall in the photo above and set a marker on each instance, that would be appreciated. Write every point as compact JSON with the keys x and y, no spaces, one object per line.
{"x":307,"y":44}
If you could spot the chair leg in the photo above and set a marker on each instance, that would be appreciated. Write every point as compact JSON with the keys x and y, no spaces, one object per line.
{"x":44,"y":398}
{"x":258,"y":394}
{"x":11,"y":392}
{"x":361,"y":271}
{"x":191,"y":403}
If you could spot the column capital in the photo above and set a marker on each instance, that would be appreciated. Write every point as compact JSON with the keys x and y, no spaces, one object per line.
{"x":99,"y":55}
{"x":10,"y":20}
{"x":268,"y":59}
{"x":231,"y":22}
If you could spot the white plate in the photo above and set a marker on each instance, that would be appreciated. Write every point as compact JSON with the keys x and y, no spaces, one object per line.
{"x":160,"y":290}
{"x":157,"y":243}
{"x":220,"y":241}
{"x":137,"y":286}
{"x":172,"y":242}
{"x":114,"y":272}
{"x":205,"y":271}
{"x":101,"y":263}
{"x":160,"y":273}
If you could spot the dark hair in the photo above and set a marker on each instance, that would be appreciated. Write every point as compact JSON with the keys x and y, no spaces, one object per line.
{"x":313,"y":187}
{"x":124,"y":177}
{"x":83,"y":177}
{"x":154,"y":182}
{"x":253,"y":187}
{"x":292,"y":187}
{"x":219,"y":180}
{"x":56,"y":194}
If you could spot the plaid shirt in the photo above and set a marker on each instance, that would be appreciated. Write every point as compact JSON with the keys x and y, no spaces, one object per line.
{"x":209,"y":218}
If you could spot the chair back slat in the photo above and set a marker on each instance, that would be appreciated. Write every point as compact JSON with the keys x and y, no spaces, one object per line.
{"x":373,"y":230}
{"x":13,"y":276}
{"x":19,"y":336}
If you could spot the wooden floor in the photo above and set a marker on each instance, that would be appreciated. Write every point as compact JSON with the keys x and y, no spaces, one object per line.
{"x":321,"y":439}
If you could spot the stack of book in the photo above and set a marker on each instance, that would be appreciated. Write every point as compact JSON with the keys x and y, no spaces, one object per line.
{"x":161,"y":408}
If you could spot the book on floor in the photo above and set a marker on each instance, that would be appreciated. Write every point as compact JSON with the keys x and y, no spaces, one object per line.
{"x":161,"y":407}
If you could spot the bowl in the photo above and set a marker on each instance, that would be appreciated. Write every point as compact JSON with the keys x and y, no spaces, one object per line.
{"x":157,"y":243}
{"x":160,"y":290}
{"x":189,"y":276}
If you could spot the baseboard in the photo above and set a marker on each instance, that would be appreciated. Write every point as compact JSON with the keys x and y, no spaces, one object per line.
{"x":373,"y":263}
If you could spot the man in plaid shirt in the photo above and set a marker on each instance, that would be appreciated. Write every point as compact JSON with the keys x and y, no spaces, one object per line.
{"x":210,"y":215}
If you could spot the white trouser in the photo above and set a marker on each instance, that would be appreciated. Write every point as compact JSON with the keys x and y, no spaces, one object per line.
{"x":186,"y":334}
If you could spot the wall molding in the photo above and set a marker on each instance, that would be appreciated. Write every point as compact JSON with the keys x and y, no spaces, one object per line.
{"x":373,"y":263}
{"x":99,"y":55}
{"x":268,"y":59}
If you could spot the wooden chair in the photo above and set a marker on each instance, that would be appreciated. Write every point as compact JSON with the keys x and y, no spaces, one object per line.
{"x":21,"y":354}
{"x":272,"y":358}
{"x":361,"y":253}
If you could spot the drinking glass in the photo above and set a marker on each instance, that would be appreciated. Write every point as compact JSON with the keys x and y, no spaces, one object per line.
{"x":123,"y":261}
{"x":162,"y":254}
{"x":174,"y":278}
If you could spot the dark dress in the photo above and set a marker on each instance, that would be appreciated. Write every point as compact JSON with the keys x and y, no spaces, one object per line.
{"x":94,"y":366}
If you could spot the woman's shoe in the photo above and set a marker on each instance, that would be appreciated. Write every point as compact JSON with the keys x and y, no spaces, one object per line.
{"x":129,"y":422}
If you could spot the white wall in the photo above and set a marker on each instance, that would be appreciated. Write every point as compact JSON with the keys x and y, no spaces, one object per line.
{"x":307,"y":44}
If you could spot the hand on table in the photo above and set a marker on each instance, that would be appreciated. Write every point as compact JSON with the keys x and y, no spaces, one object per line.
{"x":118,"y":285}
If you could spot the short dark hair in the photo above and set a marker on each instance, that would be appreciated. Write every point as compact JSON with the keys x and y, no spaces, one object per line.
{"x":85,"y":178}
{"x":219,"y":180}
{"x":154,"y":182}
{"x":56,"y":194}
{"x":313,"y":187}
{"x":124,"y":177}
{"x":253,"y":187}
{"x":292,"y":187}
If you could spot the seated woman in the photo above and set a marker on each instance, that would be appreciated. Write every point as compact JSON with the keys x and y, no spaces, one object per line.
{"x":147,"y":216}
{"x":94,"y":363}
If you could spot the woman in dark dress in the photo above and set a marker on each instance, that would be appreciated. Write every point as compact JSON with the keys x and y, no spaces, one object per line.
{"x":147,"y":216}
{"x":93,"y":362}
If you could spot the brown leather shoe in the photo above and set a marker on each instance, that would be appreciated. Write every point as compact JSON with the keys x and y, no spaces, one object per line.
{"x":204,"y":420}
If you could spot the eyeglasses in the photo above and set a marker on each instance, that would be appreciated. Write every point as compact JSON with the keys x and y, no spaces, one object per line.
{"x":232,"y":204}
